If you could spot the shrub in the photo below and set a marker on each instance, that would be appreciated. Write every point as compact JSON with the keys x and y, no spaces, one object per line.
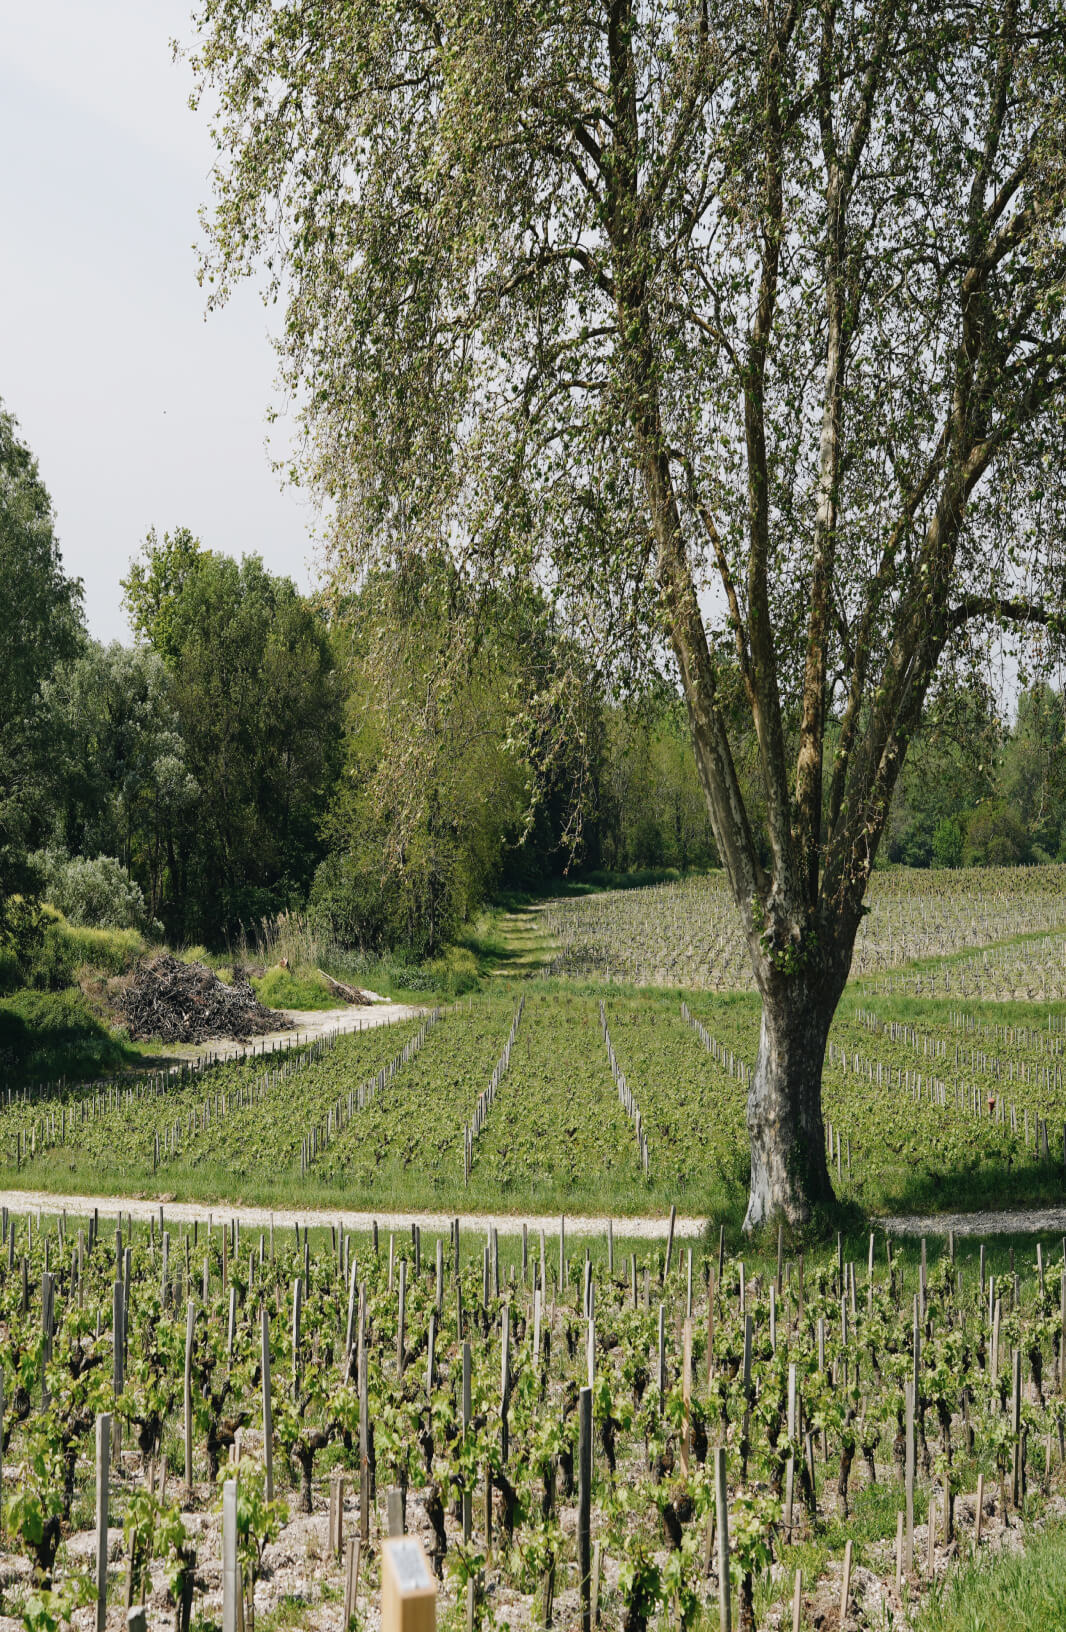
{"x":95,"y":893}
{"x":947,"y":843}
{"x":995,"y":836}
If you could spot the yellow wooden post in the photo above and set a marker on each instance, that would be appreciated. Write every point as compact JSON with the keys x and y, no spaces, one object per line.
{"x":408,"y":1588}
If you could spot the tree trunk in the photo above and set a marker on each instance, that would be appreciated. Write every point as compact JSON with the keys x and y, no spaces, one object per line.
{"x":789,"y":1174}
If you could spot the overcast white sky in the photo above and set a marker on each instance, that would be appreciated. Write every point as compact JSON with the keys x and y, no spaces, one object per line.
{"x":140,"y":412}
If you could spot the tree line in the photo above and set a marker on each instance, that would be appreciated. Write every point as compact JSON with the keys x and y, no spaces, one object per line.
{"x":253,"y":751}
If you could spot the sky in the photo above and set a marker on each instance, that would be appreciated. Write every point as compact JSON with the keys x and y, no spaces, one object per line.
{"x":141,"y":411}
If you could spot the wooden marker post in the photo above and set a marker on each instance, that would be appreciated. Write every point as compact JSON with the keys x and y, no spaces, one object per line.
{"x":268,"y":1417}
{"x":468,"y":1496}
{"x":408,"y":1590}
{"x":190,"y":1323}
{"x":845,"y":1588}
{"x":231,"y":1583}
{"x":351,"y":1579}
{"x":584,"y":1507}
{"x":721,"y":1495}
{"x":686,"y":1385}
{"x":908,"y":1538}
{"x":103,"y":1484}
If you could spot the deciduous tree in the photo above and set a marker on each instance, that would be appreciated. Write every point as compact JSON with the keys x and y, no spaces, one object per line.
{"x":741,"y":324}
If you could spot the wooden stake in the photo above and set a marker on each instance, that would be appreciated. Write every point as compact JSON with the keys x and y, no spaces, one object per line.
{"x":103,"y":1483}
{"x":725,"y":1601}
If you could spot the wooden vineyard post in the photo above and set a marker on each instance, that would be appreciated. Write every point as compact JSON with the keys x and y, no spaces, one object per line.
{"x":103,"y":1482}
{"x":790,"y":1465}
{"x":336,"y":1515}
{"x":797,"y":1601}
{"x":364,"y":1432}
{"x":1015,"y":1425}
{"x":351,"y":1581}
{"x":845,"y":1588}
{"x":408,"y":1591}
{"x":230,"y":1578}
{"x":721,"y":1496}
{"x":669,"y":1242}
{"x":908,"y":1540}
{"x":297,"y":1309}
{"x":468,"y":1495}
{"x":47,"y":1330}
{"x":710,"y":1327}
{"x":584,"y":1506}
{"x":118,"y":1370}
{"x":661,"y":1371}
{"x":190,"y":1324}
{"x":505,"y":1381}
{"x":268,"y":1415}
{"x":401,"y":1316}
{"x":978,"y":1515}
{"x":231,"y":1324}
{"x":394,"y":1510}
{"x":686,"y":1386}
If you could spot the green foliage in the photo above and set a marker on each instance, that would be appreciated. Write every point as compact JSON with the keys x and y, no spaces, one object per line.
{"x":652,"y":812}
{"x":47,"y":1610}
{"x":41,"y":626}
{"x":125,"y":789}
{"x":59,"y":950}
{"x":453,"y":779}
{"x":95,"y":894}
{"x":1005,"y":1591}
{"x":995,"y":836}
{"x":251,"y":683}
{"x":45,"y":1036}
{"x":947,"y":843}
{"x":294,"y":989}
{"x":154,"y":587}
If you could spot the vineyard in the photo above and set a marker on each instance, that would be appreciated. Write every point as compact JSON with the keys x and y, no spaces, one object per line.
{"x":568,"y":1103}
{"x":570,"y":1427}
{"x":688,"y":934}
{"x":625,"y":1433}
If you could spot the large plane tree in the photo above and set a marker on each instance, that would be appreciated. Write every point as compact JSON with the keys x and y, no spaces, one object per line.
{"x":738,"y":322}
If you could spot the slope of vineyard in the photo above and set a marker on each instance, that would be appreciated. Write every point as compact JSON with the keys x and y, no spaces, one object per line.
{"x":688,"y":934}
{"x":812,"y":1404}
{"x":928,"y":1107}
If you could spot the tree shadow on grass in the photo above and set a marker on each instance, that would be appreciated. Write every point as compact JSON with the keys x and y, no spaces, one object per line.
{"x":971,"y":1188}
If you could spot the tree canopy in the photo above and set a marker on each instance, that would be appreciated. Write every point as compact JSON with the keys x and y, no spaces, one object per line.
{"x":742,"y":327}
{"x":41,"y":625}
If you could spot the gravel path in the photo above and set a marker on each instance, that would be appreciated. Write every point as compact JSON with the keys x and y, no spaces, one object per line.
{"x":258,"y":1218}
{"x":308,"y":1023}
{"x":1024,"y":1221}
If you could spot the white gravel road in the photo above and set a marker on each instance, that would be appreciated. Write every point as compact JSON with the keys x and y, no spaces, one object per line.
{"x":258,"y":1218}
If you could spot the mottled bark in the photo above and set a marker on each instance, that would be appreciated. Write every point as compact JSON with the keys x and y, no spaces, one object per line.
{"x":789,"y":1172}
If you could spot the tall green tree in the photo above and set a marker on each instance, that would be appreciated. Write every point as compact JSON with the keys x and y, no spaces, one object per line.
{"x":125,"y":788}
{"x":463,"y":759}
{"x":41,"y":626}
{"x":647,"y":295}
{"x":253,"y":687}
{"x":1033,"y":777}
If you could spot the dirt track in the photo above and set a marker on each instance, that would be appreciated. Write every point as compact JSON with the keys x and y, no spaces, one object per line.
{"x":258,"y":1218}
{"x":308,"y":1023}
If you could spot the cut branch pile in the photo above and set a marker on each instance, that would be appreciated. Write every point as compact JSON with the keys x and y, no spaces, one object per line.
{"x":187,"y":1003}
